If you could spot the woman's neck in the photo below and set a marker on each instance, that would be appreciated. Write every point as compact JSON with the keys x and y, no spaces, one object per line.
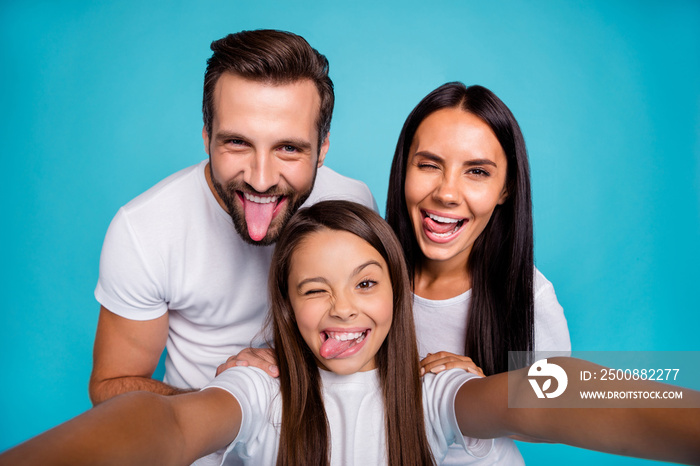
{"x":441,"y":280}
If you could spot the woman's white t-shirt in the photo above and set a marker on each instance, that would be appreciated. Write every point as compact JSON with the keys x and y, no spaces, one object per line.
{"x":441,"y":325}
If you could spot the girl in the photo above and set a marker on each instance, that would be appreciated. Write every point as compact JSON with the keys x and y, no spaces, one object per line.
{"x":459,"y":202}
{"x":347,"y":391}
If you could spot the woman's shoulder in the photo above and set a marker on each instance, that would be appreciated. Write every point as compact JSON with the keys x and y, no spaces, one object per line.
{"x":540,"y":283}
{"x":551,"y":328}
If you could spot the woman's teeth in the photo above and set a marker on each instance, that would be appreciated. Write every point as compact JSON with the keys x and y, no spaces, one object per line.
{"x":437,"y":218}
{"x":444,"y":226}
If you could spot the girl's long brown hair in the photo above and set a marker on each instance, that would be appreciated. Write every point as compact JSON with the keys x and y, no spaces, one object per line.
{"x":304,"y":437}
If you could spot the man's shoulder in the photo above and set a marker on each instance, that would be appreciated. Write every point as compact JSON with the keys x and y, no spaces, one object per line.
{"x":331,"y":185}
{"x":172,"y":190}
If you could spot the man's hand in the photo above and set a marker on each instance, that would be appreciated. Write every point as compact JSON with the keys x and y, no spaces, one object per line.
{"x":443,"y":360}
{"x":262,"y":358}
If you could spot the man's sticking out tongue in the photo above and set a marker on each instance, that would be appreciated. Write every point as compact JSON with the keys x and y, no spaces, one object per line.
{"x":332,"y":348}
{"x":258,"y":217}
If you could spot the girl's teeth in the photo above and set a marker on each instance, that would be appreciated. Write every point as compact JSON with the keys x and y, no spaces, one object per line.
{"x":346,"y":336}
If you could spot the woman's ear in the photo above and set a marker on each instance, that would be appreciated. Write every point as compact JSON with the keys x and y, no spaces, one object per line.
{"x":504,"y":196}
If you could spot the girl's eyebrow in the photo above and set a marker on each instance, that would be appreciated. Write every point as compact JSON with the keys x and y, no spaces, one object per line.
{"x":361,"y":267}
{"x":357,"y":270}
{"x":311,"y":280}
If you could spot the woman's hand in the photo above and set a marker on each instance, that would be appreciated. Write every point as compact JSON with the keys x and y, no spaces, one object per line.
{"x":443,"y":360}
{"x":262,"y":358}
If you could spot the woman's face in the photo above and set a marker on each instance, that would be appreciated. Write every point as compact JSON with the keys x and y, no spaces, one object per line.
{"x":455,"y":178}
{"x":340,"y":291}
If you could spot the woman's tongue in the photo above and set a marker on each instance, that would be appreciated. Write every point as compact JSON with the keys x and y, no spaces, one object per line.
{"x":258,"y":217}
{"x":332,"y":348}
{"x":438,"y":227}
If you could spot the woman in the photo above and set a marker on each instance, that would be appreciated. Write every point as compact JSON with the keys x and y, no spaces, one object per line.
{"x":459,"y":202}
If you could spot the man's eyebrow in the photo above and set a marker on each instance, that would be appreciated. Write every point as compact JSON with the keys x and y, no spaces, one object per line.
{"x":302,"y":144}
{"x":226,"y":135}
{"x":361,"y":267}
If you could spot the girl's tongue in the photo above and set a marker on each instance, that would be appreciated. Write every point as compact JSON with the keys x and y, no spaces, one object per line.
{"x":337,"y":343}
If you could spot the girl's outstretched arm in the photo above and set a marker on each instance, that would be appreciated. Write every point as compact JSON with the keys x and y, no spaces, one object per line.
{"x":668,"y":434}
{"x":139,"y":428}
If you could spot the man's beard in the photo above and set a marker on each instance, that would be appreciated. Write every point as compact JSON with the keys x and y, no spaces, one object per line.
{"x":228,"y":195}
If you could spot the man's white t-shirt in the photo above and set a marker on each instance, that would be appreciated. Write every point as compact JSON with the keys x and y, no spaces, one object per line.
{"x":355,"y":412}
{"x":174,"y":249}
{"x":441,"y":325}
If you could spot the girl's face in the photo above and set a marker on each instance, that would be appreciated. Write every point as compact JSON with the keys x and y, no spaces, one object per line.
{"x":340,"y":291}
{"x":455,"y":178}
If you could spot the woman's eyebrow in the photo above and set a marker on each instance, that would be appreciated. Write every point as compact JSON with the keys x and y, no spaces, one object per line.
{"x":428,"y":155}
{"x":473,"y":162}
{"x":467,"y":163}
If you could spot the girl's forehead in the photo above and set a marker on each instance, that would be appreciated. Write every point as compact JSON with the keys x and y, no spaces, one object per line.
{"x":328,"y":249}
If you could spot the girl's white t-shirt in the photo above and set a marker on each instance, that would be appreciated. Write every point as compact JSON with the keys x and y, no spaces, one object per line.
{"x":355,"y":413}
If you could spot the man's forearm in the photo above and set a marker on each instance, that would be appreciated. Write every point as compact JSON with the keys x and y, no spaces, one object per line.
{"x":136,"y":429}
{"x":103,"y":390}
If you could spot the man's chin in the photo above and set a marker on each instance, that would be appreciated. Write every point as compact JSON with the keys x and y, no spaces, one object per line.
{"x":274,"y":230}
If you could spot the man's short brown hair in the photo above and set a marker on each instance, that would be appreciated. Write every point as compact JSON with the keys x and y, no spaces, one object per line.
{"x":270,"y":56}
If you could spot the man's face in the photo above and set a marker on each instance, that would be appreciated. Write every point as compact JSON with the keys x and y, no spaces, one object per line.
{"x":263,"y":152}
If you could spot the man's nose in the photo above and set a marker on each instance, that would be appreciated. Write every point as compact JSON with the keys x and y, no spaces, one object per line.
{"x":263,"y":173}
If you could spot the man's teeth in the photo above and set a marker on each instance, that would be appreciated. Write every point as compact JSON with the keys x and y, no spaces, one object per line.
{"x":359,"y":336}
{"x":260,"y":199}
{"x":437,"y":218}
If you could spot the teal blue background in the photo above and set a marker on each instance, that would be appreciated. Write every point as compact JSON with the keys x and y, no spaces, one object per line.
{"x":101,"y":101}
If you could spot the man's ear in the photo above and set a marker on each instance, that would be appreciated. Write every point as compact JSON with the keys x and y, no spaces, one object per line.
{"x":323,"y":150}
{"x":205,"y":138}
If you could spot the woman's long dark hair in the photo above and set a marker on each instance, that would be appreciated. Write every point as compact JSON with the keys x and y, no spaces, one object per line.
{"x":501,"y":267}
{"x":304,"y":435}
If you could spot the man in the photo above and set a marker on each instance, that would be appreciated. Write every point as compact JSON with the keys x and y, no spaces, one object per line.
{"x":186,"y":262}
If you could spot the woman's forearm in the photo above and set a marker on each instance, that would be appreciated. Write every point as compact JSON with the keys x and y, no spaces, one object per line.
{"x":669,"y":434}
